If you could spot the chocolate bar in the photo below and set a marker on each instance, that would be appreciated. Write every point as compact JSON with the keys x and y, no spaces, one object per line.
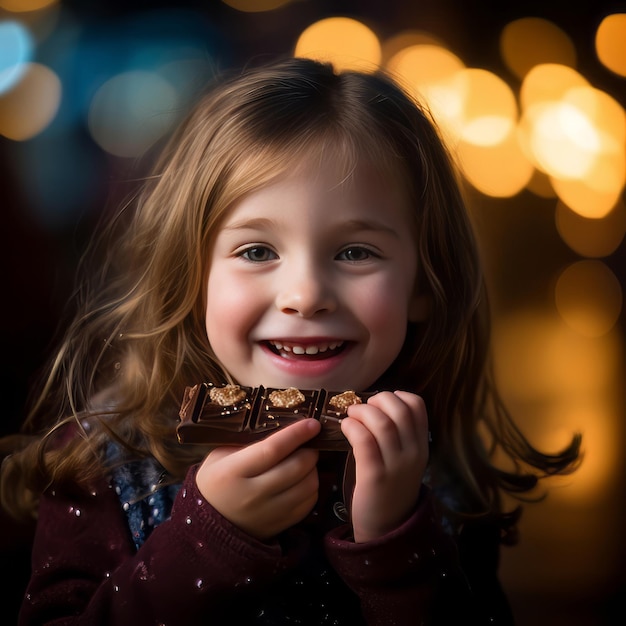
{"x":239,"y":415}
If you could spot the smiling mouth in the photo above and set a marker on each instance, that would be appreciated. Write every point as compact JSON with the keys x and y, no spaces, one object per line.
{"x":322,"y":350}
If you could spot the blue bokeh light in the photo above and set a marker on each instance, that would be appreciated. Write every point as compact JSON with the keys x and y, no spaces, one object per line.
{"x":16,"y":50}
{"x":61,"y":166}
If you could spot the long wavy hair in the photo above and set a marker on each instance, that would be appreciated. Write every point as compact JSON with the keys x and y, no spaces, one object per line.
{"x":138,"y":336}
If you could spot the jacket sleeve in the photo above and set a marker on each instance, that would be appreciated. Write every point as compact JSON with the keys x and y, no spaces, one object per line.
{"x":414,"y":575}
{"x":85,"y":569}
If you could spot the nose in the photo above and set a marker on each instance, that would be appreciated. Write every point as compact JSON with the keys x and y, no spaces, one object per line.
{"x":305,"y":291}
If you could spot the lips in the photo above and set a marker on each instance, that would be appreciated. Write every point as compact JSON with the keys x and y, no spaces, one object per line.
{"x":317,"y":350}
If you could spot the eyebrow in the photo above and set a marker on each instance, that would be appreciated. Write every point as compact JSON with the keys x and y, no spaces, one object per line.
{"x":255,"y":223}
{"x":370,"y":225}
{"x":262,"y":223}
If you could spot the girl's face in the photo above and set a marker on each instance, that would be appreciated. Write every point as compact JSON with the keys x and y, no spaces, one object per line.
{"x":311,"y":282}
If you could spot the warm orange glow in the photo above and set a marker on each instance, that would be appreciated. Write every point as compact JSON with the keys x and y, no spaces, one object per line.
{"x":606,"y":114}
{"x":611,"y":43}
{"x":562,"y":139}
{"x":477,"y":112}
{"x":557,"y":382}
{"x":407,"y":39}
{"x":548,"y":82}
{"x":531,"y":41}
{"x":575,"y":134}
{"x":586,"y":200}
{"x":347,"y":43}
{"x":425,"y":64}
{"x":31,"y":105}
{"x":596,"y":416}
{"x":588,"y":297}
{"x":23,"y":6}
{"x":540,"y":184}
{"x":500,"y":171}
{"x":591,"y":237}
{"x":431,"y":73}
{"x":489,"y":108}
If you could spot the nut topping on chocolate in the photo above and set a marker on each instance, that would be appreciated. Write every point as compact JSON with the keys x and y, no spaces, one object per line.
{"x":286,"y":398}
{"x":227,"y":395}
{"x":343,"y":400}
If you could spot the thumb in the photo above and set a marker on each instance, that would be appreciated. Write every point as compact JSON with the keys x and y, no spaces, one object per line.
{"x":263,"y":455}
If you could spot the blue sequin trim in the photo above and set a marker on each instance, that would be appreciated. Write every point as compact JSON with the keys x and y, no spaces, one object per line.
{"x":145,"y":500}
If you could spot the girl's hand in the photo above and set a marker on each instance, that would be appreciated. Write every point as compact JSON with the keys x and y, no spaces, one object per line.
{"x":389,"y":438}
{"x":266,"y":487}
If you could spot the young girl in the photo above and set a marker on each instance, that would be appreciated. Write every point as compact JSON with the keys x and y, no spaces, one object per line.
{"x":303,"y":228}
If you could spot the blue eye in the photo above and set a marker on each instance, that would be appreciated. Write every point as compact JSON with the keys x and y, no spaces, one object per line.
{"x":258,"y":254}
{"x":355,"y":254}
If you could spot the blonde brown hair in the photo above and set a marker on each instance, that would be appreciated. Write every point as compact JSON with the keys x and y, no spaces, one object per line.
{"x":138,"y":336}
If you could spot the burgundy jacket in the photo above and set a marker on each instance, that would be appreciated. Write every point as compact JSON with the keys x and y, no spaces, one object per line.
{"x":198,"y":568}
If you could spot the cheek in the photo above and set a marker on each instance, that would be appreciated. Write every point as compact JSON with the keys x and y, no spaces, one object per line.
{"x":388,"y":323}
{"x":228,"y":310}
{"x":385,"y":312}
{"x":386,"y":303}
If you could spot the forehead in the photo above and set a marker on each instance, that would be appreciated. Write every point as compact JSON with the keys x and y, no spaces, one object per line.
{"x":337,"y":172}
{"x":344,"y":153}
{"x":341,"y":164}
{"x":323,"y":199}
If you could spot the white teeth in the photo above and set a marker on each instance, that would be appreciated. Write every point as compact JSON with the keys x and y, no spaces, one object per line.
{"x":307,"y":349}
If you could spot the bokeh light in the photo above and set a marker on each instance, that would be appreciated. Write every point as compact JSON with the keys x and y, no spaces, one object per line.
{"x":549,"y":82}
{"x":16,"y":50}
{"x":611,"y":43}
{"x":487,"y":147}
{"x":85,"y":88}
{"x":489,"y":107}
{"x":591,"y":237}
{"x":588,"y":297}
{"x":132,"y":111}
{"x":404,"y":40}
{"x":19,"y":6}
{"x":562,"y":140}
{"x":499,"y":171}
{"x":430,"y":72}
{"x":558,"y":381}
{"x":540,"y":184}
{"x":531,"y":41}
{"x":476,"y":111}
{"x":575,"y":134}
{"x":30,"y":106}
{"x":343,"y":41}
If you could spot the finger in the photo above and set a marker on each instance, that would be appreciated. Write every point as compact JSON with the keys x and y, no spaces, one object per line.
{"x":288,"y":507}
{"x":288,"y":472}
{"x":303,"y":490}
{"x":419,"y":414}
{"x":407,"y":412}
{"x":363,"y":442}
{"x":383,"y":417}
{"x":259,"y":457}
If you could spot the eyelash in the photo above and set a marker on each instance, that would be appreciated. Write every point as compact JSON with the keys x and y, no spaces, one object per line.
{"x":247,"y":252}
{"x":361,"y":249}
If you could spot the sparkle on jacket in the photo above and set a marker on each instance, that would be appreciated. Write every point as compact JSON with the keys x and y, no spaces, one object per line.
{"x":198,"y":568}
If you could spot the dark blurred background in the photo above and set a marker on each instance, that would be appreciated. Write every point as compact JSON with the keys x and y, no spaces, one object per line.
{"x":87,"y":87}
